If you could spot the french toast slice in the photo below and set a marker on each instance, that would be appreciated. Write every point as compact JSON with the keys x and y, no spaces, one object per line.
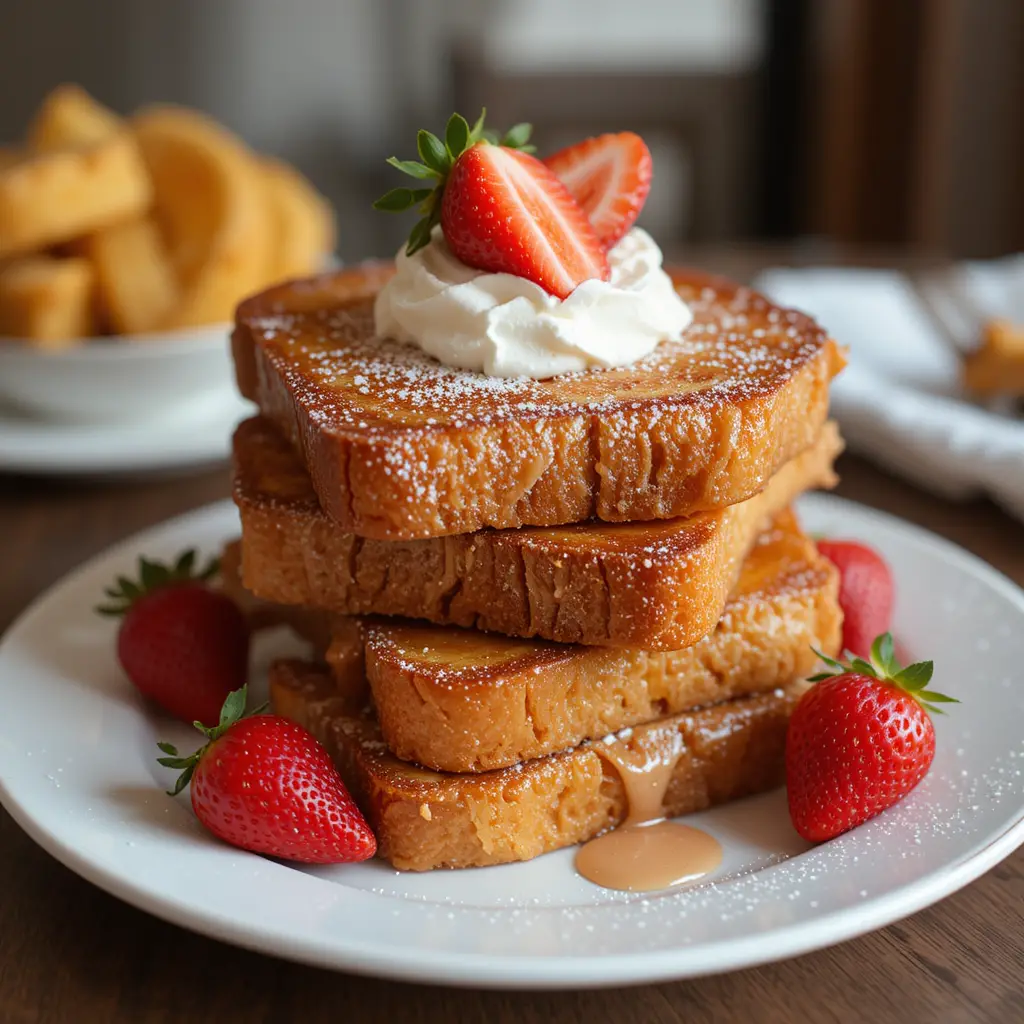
{"x":316,"y":627}
{"x":399,"y":447}
{"x":657,"y":585}
{"x":424,"y":819}
{"x":462,"y":701}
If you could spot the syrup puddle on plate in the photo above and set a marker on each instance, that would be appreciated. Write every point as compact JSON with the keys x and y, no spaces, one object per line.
{"x":646,"y":852}
{"x":649,"y":856}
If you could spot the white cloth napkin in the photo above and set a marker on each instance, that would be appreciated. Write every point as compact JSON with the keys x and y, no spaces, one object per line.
{"x":899,"y":401}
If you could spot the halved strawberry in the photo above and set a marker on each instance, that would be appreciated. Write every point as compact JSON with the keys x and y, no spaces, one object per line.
{"x":501,"y":209}
{"x":505,"y":212}
{"x":610,"y":177}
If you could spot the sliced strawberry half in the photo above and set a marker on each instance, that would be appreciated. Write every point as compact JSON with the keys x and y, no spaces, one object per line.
{"x":500,"y":208}
{"x":505,"y":212}
{"x":610,"y":177}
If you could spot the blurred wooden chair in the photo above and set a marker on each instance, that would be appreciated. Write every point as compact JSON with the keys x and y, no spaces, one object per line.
{"x":919,"y":124}
{"x":707,"y":118}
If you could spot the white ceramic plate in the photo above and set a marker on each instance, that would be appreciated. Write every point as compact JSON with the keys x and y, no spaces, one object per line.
{"x":77,"y":771}
{"x":197,"y":433}
{"x":117,"y":380}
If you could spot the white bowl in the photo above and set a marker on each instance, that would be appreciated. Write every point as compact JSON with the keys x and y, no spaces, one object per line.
{"x":108,"y":380}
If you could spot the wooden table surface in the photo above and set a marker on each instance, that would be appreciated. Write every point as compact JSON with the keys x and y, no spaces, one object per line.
{"x":71,"y":953}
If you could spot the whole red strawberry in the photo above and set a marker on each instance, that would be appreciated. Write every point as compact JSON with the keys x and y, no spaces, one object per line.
{"x":859,"y":741}
{"x":266,"y":785}
{"x":865,"y":592}
{"x":183,"y":645}
{"x":500,"y":208}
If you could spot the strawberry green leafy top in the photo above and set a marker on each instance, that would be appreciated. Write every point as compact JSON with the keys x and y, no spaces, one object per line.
{"x":436,"y":161}
{"x":153,"y":575}
{"x":231,"y":713}
{"x":884,"y":667}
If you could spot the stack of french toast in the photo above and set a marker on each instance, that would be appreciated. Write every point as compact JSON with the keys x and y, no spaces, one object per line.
{"x":526,"y":592}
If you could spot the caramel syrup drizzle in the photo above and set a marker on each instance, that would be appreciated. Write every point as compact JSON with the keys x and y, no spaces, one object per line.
{"x":646,"y":852}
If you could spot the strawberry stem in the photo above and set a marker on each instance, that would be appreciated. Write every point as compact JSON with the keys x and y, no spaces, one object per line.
{"x":152,"y":576}
{"x":232,"y":711}
{"x":436,"y":161}
{"x":883,"y":666}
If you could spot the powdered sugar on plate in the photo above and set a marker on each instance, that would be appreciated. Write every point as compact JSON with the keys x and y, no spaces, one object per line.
{"x":530,"y":925}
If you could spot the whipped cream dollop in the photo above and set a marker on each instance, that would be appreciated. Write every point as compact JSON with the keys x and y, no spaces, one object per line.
{"x":507,"y":326}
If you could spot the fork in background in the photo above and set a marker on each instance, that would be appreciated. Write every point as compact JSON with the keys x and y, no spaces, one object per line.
{"x":948,"y":304}
{"x":946,"y":299}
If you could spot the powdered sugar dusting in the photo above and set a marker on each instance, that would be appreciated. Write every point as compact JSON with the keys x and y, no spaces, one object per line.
{"x":781,"y":882}
{"x":347,"y":379}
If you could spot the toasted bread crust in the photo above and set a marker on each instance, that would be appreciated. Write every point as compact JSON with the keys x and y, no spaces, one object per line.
{"x":400,"y":448}
{"x":48,"y":301}
{"x":461,"y":701}
{"x":302,"y":295}
{"x":56,"y":196}
{"x":657,"y":586}
{"x":426,"y":820}
{"x":320,"y":629}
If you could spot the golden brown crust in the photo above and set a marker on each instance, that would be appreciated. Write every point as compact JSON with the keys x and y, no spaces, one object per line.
{"x":658,"y":585}
{"x":316,"y":627}
{"x":302,"y":222}
{"x":135,"y":281}
{"x":208,"y":199}
{"x":305,"y":295}
{"x":426,"y":820}
{"x":56,"y":196}
{"x":69,"y":117}
{"x":399,"y":447}
{"x":462,"y":701}
{"x":47,"y":301}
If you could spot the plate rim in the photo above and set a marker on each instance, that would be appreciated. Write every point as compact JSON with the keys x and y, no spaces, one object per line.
{"x":206,"y":440}
{"x":172,"y":344}
{"x":530,"y":971}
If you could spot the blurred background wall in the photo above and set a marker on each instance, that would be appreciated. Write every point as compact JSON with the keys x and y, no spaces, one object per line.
{"x":896,"y":123}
